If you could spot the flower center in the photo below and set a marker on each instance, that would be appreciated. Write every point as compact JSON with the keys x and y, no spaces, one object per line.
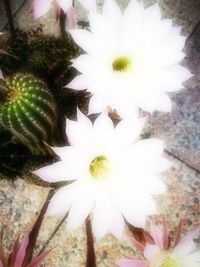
{"x":13,"y":95}
{"x":169,"y":262}
{"x":121,"y":64}
{"x":100,"y":167}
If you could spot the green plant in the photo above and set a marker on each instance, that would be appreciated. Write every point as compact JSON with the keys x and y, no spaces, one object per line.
{"x":29,"y":111}
{"x":45,"y":56}
{"x":50,"y":55}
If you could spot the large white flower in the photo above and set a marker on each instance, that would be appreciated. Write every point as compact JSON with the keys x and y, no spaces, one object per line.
{"x":132,"y":59}
{"x":115,"y":175}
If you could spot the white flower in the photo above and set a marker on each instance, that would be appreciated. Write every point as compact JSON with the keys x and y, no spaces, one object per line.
{"x":115,"y":175}
{"x":132,"y":59}
{"x":42,"y":6}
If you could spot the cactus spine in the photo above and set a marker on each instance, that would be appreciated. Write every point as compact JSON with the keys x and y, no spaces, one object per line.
{"x":28,"y":110}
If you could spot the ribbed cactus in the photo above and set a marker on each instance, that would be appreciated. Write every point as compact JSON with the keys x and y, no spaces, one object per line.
{"x":44,"y":55}
{"x":28,"y":110}
{"x":48,"y":54}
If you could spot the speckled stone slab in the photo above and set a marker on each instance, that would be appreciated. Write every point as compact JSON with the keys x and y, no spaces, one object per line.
{"x":20,"y":201}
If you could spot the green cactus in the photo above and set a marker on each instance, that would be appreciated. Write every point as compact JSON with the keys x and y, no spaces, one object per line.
{"x":50,"y":55}
{"x":29,"y":111}
{"x":45,"y":56}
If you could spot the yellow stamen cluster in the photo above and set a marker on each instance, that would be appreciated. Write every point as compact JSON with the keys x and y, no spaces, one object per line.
{"x":100,"y":167}
{"x":169,"y":262}
{"x":121,"y":64}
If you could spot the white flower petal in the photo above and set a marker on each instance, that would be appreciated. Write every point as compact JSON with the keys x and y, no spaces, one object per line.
{"x":73,"y":129}
{"x":158,"y":166}
{"x":112,"y":12}
{"x":126,"y":108}
{"x":187,"y":244}
{"x":155,"y":184}
{"x":83,"y":39}
{"x":159,"y":101}
{"x":117,"y":224}
{"x":134,"y":13}
{"x":146,"y":148}
{"x":97,"y":24}
{"x":132,"y":20}
{"x":136,"y":219}
{"x":65,"y":4}
{"x":54,"y":173}
{"x":101,"y":218}
{"x":163,"y":102}
{"x":194,"y":256}
{"x":152,"y":13}
{"x":169,"y":52}
{"x":105,"y":34}
{"x":78,"y":83}
{"x":63,"y":199}
{"x":41,"y":7}
{"x":153,"y":27}
{"x":86,"y":65}
{"x":72,"y":160}
{"x":136,"y":205}
{"x":128,"y":130}
{"x":80,"y":210}
{"x":171,"y":79}
{"x":103,"y":130}
{"x":150,"y":251}
{"x":147,"y":157}
{"x":97,"y":104}
{"x":175,"y":38}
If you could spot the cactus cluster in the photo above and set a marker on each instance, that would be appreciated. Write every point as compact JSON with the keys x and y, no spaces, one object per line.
{"x":49,"y":54}
{"x":28,"y":110}
{"x":45,"y":56}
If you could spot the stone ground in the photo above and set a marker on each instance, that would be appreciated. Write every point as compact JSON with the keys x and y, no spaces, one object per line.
{"x":21,"y":200}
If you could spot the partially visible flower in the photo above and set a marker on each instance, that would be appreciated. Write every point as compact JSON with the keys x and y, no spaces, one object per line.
{"x":42,"y":6}
{"x":132,"y":59}
{"x":21,"y":254}
{"x":115,"y":174}
{"x":160,"y":253}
